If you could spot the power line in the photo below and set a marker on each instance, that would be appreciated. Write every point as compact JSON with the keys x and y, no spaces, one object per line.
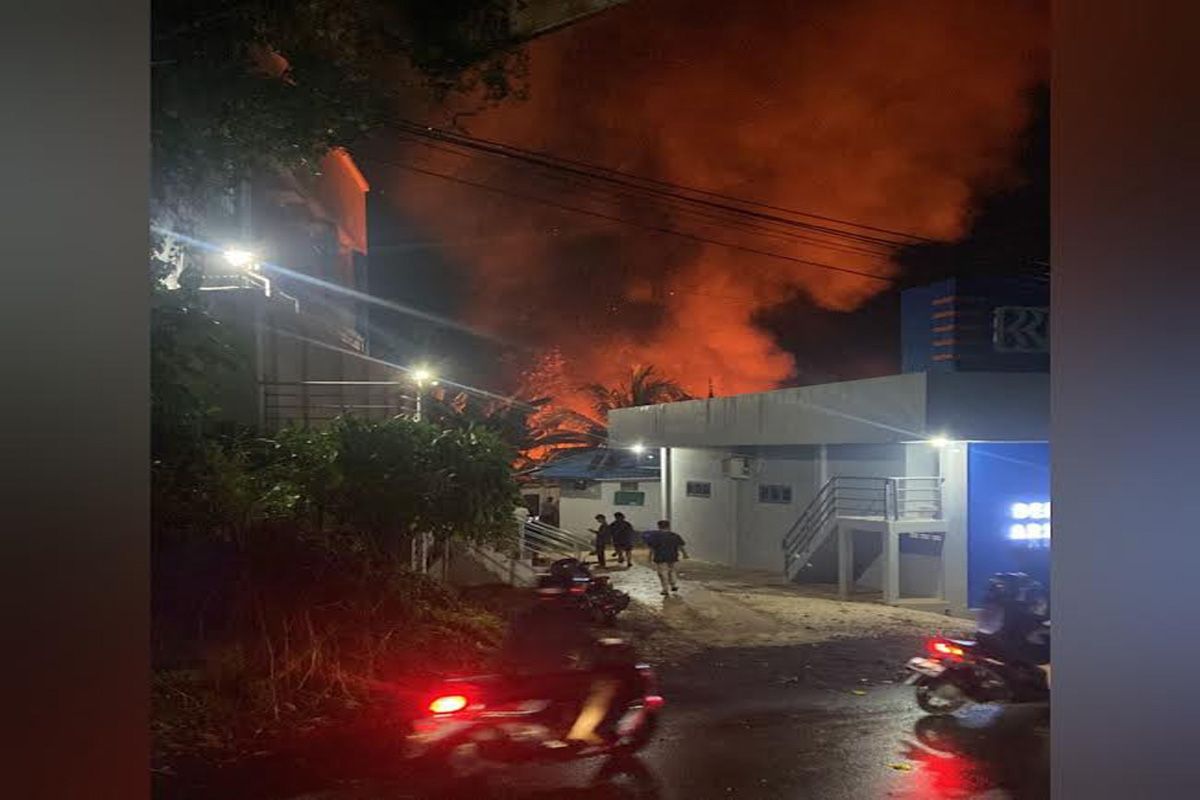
{"x":626,"y":221}
{"x":750,"y":225}
{"x":585,"y":169}
{"x":614,"y":175}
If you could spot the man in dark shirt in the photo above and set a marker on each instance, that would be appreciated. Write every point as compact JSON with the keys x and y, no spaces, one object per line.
{"x":665,"y":547}
{"x":603,"y":532}
{"x":621,"y":533}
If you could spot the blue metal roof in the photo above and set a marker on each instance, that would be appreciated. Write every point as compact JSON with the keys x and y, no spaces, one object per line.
{"x":598,"y":464}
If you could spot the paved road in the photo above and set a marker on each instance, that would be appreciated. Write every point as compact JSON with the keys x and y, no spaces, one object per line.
{"x":812,"y":721}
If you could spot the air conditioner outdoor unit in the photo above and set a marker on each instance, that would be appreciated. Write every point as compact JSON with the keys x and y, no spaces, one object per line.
{"x":737,"y":468}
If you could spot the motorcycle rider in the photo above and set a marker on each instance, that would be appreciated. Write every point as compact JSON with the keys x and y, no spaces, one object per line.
{"x":552,"y":643}
{"x":1014,"y":621}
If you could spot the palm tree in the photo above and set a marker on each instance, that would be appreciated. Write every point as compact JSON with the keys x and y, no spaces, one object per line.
{"x":644,"y":388}
{"x":566,"y":428}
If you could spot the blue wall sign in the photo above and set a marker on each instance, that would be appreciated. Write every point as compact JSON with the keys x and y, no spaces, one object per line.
{"x":1008,"y":513}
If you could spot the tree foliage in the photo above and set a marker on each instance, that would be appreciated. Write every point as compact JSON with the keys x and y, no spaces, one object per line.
{"x":645,"y":387}
{"x":248,"y":83}
{"x":565,"y":428}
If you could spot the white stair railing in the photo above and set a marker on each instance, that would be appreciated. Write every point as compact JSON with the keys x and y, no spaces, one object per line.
{"x":861,"y":498}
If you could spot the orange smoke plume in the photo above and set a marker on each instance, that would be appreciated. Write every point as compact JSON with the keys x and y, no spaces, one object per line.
{"x":894,"y":113}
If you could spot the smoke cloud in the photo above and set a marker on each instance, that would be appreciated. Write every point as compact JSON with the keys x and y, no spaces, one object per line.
{"x":895,"y":113}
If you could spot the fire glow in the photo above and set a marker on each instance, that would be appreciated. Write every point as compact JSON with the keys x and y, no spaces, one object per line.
{"x":857,"y":110}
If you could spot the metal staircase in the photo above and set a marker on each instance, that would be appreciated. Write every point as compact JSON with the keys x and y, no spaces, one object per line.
{"x":845,"y":498}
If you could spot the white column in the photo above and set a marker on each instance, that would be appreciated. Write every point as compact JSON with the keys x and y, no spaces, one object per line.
{"x":952,"y":464}
{"x":665,"y":480}
{"x":735,"y":522}
{"x":845,"y":542}
{"x":891,"y":566}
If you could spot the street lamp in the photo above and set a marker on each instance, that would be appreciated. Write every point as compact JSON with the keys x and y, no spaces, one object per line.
{"x":422,"y":376}
{"x":638,"y":449}
{"x":247,"y":261}
{"x":237,"y":257}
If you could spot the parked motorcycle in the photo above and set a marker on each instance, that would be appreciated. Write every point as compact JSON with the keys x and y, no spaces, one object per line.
{"x":956,"y":672}
{"x":491,"y":720}
{"x":594,"y":594}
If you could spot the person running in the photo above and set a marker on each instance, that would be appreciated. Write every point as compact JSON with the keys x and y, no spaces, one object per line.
{"x":603,"y":532}
{"x":665,"y":548}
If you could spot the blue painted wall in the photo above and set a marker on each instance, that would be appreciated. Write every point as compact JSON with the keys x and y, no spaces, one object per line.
{"x":1001,"y":475}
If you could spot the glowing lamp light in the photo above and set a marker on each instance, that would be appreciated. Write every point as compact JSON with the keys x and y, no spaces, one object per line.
{"x":448,"y":704}
{"x":422,"y":375}
{"x":638,"y":448}
{"x":939,"y":441}
{"x":237,"y":257}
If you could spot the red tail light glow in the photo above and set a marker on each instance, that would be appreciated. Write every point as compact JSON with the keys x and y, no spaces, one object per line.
{"x":940,"y":647}
{"x":654,"y":701}
{"x":448,"y":704}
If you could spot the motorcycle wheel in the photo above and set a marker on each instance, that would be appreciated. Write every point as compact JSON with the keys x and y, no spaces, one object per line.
{"x":938,"y":696}
{"x":641,"y":737}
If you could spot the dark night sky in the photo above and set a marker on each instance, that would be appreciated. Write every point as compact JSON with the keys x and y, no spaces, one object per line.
{"x":415,"y":263}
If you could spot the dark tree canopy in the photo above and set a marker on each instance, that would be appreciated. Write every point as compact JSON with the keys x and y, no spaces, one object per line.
{"x":245,"y":83}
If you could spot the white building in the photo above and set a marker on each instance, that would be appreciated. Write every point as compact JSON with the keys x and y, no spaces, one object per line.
{"x":917,"y":485}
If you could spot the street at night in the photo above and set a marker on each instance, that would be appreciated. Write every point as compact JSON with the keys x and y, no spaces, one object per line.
{"x":602,"y":400}
{"x":600,"y":397}
{"x":793,"y":722}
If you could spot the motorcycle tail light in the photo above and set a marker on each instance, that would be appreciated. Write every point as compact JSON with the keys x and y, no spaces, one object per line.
{"x":944,"y":649}
{"x":654,"y":701}
{"x":448,"y":704}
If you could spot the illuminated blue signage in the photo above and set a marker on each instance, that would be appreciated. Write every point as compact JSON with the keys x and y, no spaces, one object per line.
{"x":1029,"y":522}
{"x":1008,"y":512}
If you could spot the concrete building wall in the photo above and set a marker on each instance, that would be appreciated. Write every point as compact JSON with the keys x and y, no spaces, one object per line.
{"x":867,"y":460}
{"x":733,"y":526}
{"x":894,"y":409}
{"x":579,"y":507}
{"x":764,"y":524}
{"x":706,"y":523}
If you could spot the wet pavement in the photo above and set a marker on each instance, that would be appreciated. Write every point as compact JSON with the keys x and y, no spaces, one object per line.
{"x":772,"y":692}
{"x":826,"y":721}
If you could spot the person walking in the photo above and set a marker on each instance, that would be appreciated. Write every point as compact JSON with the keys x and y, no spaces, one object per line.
{"x":603,"y":532}
{"x":622,"y":537}
{"x":621,"y":533}
{"x":665,"y":547}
